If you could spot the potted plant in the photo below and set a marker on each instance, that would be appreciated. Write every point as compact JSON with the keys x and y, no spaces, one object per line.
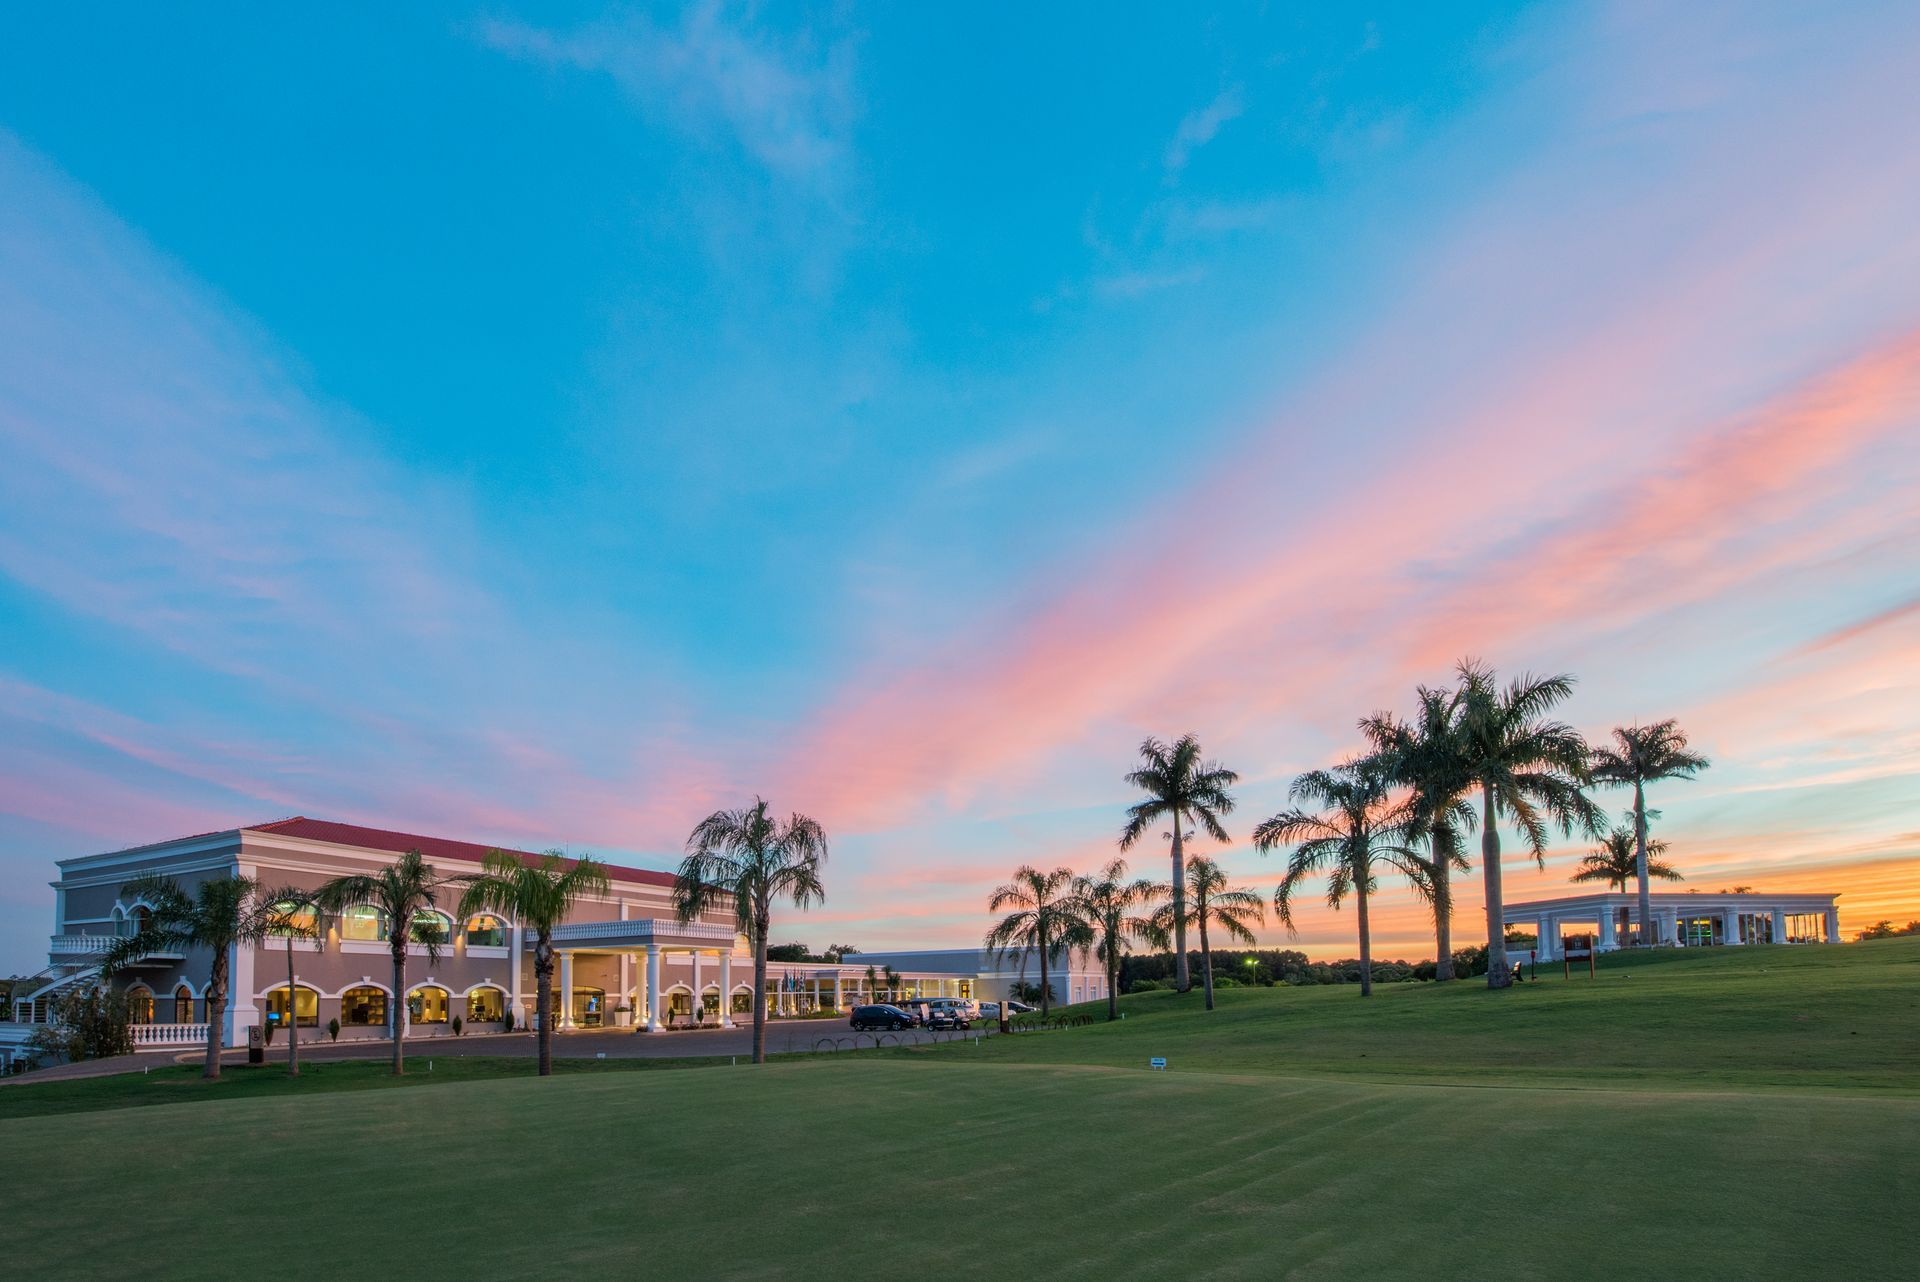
{"x":333,"y":1030}
{"x":622,"y":1015}
{"x":456,"y":1026}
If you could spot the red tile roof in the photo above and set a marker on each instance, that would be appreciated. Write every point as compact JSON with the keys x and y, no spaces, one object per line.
{"x":432,"y":848}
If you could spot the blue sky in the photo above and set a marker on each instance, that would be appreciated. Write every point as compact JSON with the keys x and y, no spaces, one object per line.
{"x":546,"y":425}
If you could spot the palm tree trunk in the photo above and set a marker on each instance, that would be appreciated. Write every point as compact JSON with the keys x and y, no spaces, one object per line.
{"x":216,"y":1013}
{"x":543,"y":1000}
{"x":1206,"y":954}
{"x":1180,"y":972}
{"x":760,"y":928}
{"x":395,"y":1009}
{"x":1046,"y":987}
{"x":1640,"y":861}
{"x":1113,"y":982}
{"x":1366,"y":933}
{"x":293,"y":1018}
{"x":1442,"y":921}
{"x":1499,"y":974}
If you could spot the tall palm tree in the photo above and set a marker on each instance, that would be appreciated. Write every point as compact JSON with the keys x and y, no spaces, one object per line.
{"x":534,"y":897}
{"x":1424,"y":756}
{"x":1047,"y":919}
{"x":1641,"y":755}
{"x":295,"y":917}
{"x":403,"y":893}
{"x":1181,"y":786}
{"x":1358,"y":823}
{"x":752,"y":859}
{"x":222,"y":914}
{"x":1526,"y":767}
{"x":1620,"y":859}
{"x":1212,"y":902}
{"x":1110,"y":904}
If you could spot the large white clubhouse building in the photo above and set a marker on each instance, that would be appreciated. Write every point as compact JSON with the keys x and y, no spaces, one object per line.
{"x":1683,"y":919}
{"x":625,"y":961}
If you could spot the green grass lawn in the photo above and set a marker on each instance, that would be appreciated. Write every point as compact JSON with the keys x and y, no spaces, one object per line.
{"x":1727,"y":1138}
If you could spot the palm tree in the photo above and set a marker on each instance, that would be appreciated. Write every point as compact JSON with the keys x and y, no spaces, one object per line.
{"x":538,"y":897}
{"x":1531,"y":769}
{"x":295,"y":917}
{"x":752,"y":858}
{"x":221,"y":915}
{"x":1359,"y":823}
{"x":1179,"y":785}
{"x":1211,"y":902}
{"x":1425,"y":756}
{"x":1108,"y":903}
{"x":1619,"y":860}
{"x":403,"y":894}
{"x":1046,"y":920}
{"x":1641,"y":755}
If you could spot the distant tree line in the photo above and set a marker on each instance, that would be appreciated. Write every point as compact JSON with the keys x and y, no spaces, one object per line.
{"x":1268,"y":967}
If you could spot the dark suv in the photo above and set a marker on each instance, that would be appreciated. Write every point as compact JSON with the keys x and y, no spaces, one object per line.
{"x":867,"y":1019}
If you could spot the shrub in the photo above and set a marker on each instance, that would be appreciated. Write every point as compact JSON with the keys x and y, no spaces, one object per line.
{"x":333,"y":1030}
{"x":85,"y":1023}
{"x":1145,"y":986}
{"x":456,"y":1026}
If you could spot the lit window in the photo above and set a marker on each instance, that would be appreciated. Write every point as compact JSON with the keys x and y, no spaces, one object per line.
{"x":306,"y":1007}
{"x":486,"y":931}
{"x":428,"y":1005}
{"x":183,"y":1005}
{"x":430,"y":926}
{"x":292,"y":920}
{"x":486,"y":1006}
{"x":140,"y":1006}
{"x":363,"y":1006}
{"x":363,"y":922}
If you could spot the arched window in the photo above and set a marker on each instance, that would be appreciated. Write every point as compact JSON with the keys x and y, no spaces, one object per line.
{"x":363,"y":922}
{"x":140,"y":1005}
{"x":292,"y":919}
{"x":431,"y":925}
{"x":428,"y":1005}
{"x":485,"y":930}
{"x":306,"y":1007}
{"x":743,"y":1001}
{"x":486,"y":1006}
{"x":363,"y":1006}
{"x":183,"y":1005}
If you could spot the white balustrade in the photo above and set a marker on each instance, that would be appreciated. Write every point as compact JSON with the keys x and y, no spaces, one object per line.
{"x":155,"y":1036}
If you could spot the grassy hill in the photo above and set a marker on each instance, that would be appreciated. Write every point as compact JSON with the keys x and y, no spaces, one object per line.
{"x":1841,"y":1018}
{"x":1757,"y":1115}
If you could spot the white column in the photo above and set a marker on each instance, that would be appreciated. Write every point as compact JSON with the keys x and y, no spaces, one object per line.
{"x":1606,"y":927}
{"x":726,"y":989}
{"x":1732,"y":918}
{"x":1546,"y":940}
{"x":1833,"y":925}
{"x":626,"y":967}
{"x":566,"y":991}
{"x":516,"y":995}
{"x":653,"y":988}
{"x":241,"y":1012}
{"x":1779,"y":926}
{"x":698,"y":988}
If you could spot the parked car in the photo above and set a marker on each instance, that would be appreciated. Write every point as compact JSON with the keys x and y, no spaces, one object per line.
{"x":947,"y":1017}
{"x":868,"y":1019}
{"x":964,"y":1007}
{"x":1020,"y":1008}
{"x":989,"y":1010}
